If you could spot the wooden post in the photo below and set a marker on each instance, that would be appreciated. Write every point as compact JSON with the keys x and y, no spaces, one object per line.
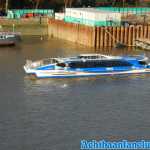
{"x":110,"y":38}
{"x":122,"y":35}
{"x":145,"y":31}
{"x":134,"y":36}
{"x":137,"y":32}
{"x":94,"y":37}
{"x":126,"y":36}
{"x":130,"y":36}
{"x":105,"y":37}
{"x":100,"y":30}
{"x":141,"y":32}
{"x":97,"y":37}
{"x":114,"y":35}
{"x":102,"y":36}
{"x":118,"y":34}
{"x":149,"y":32}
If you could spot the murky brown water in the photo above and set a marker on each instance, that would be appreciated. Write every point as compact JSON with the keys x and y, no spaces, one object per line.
{"x":56,"y":114}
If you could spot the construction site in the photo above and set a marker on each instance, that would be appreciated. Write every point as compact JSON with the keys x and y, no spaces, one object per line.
{"x":86,"y":23}
{"x":102,"y":27}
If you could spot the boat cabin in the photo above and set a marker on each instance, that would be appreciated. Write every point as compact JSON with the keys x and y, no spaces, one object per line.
{"x":95,"y":64}
{"x":101,"y":63}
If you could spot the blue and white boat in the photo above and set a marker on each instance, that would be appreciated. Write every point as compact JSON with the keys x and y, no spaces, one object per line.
{"x":87,"y":65}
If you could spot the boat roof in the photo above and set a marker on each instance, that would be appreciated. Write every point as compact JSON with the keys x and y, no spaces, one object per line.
{"x":90,"y":58}
{"x":9,"y":33}
{"x":93,"y":57}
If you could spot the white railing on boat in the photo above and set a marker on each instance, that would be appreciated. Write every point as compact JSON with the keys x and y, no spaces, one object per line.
{"x":40,"y":63}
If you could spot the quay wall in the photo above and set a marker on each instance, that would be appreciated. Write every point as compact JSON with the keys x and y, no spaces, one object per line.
{"x":76,"y":33}
{"x":97,"y":37}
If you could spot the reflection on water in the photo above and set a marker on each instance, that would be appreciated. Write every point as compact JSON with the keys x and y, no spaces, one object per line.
{"x":55,"y":114}
{"x":33,"y":85}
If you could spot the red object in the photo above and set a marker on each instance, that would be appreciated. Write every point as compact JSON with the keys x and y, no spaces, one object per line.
{"x":30,"y":14}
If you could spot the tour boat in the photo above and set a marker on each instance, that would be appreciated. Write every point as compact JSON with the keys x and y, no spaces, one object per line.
{"x":9,"y":38}
{"x":87,"y":65}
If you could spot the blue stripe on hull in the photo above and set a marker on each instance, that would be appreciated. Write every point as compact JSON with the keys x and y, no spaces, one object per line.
{"x":81,"y":76}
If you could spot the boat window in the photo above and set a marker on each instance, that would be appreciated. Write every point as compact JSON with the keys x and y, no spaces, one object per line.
{"x":142,"y":62}
{"x":1,"y":37}
{"x":104,"y":63}
{"x":61,"y":64}
{"x":49,"y":61}
{"x":88,"y":57}
{"x":54,"y":61}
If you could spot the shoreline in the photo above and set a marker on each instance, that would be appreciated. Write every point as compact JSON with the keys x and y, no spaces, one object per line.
{"x":89,"y":36}
{"x":26,"y":26}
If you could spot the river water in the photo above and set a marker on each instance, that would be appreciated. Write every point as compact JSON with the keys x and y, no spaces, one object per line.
{"x":55,"y":114}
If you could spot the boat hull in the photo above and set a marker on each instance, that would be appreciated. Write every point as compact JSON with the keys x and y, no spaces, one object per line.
{"x":9,"y":38}
{"x":67,"y":74}
{"x":6,"y":43}
{"x":87,"y":66}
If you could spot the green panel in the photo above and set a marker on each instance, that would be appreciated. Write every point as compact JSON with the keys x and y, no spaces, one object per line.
{"x":10,"y":15}
{"x":91,"y":22}
{"x":125,"y":10}
{"x":17,"y":13}
{"x":35,"y":11}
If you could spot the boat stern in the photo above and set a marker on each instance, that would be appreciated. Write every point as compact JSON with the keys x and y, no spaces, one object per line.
{"x":28,"y":67}
{"x":28,"y":70}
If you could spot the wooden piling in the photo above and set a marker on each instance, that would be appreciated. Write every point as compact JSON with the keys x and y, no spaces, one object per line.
{"x":145,"y":32}
{"x":130,"y":32}
{"x":110,"y":37}
{"x":148,"y":32}
{"x":126,"y":36}
{"x":105,"y":37}
{"x":134,"y":36}
{"x":114,"y":35}
{"x":122,"y":35}
{"x":101,"y":37}
{"x":98,"y":38}
{"x":141,"y":32}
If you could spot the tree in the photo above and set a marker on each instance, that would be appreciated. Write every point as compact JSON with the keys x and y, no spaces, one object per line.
{"x":35,"y":3}
{"x":6,"y":6}
{"x":68,"y":3}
